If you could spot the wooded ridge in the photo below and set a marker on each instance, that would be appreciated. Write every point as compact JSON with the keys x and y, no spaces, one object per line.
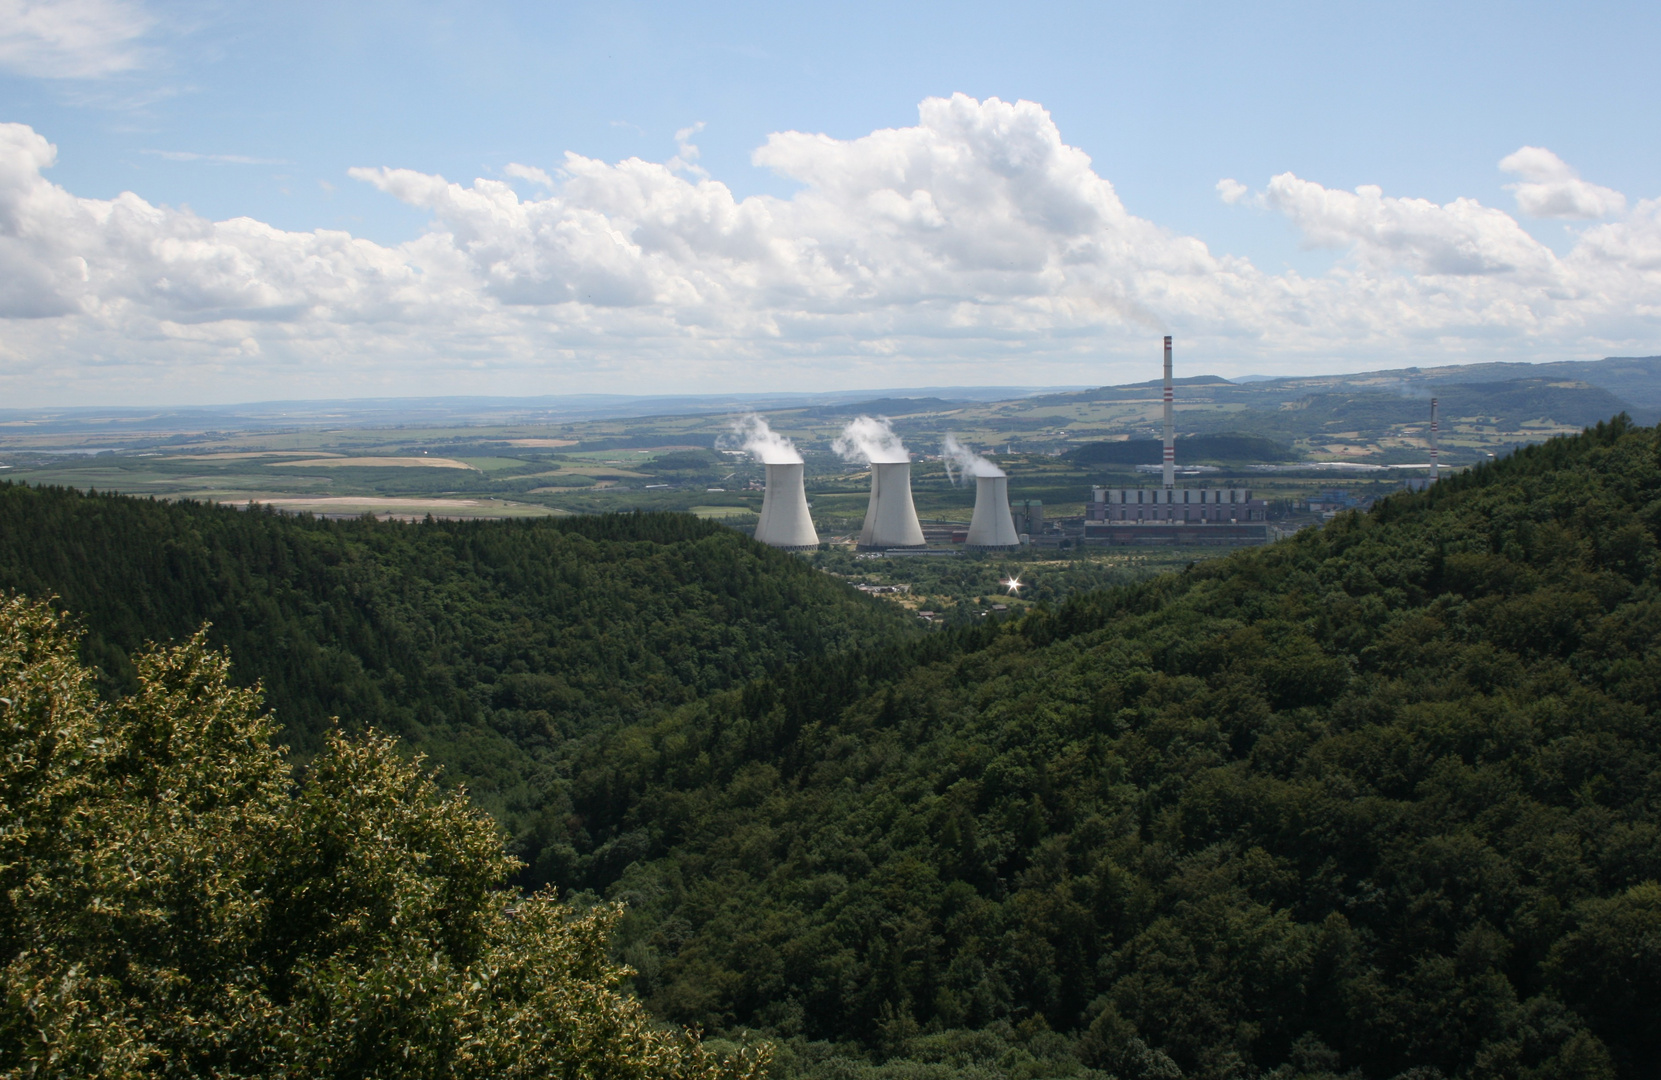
{"x":485,"y":644}
{"x":1380,"y":800}
{"x":1384,"y":796}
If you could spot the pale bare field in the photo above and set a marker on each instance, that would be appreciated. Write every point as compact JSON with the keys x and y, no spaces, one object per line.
{"x":406,"y":507}
{"x":240,"y":455}
{"x":382,"y":463}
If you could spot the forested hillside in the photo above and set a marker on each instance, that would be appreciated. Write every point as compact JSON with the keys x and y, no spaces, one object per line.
{"x":1384,"y":797}
{"x":177,"y":900}
{"x":485,"y":644}
{"x":1382,"y":800}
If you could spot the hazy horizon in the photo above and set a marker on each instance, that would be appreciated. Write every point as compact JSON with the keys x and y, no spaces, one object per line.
{"x":580,"y":407}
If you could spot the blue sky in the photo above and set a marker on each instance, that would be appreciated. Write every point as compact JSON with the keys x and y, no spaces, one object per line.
{"x":212,"y":112}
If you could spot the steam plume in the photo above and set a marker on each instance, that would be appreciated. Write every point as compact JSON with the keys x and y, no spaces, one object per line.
{"x":765,"y":444}
{"x":870,"y":441}
{"x":968,"y":462}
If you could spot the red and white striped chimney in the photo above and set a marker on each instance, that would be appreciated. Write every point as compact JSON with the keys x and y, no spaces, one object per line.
{"x":1170,"y":430}
{"x":1433,"y":462}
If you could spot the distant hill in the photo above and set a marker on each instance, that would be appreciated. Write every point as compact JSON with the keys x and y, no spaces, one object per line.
{"x":1233,"y":449}
{"x":1138,"y":391}
{"x":1377,"y":416}
{"x":1374,"y":414}
{"x":1518,"y":401}
{"x":883,"y":406}
{"x":140,"y":425}
{"x":1632,"y":382}
{"x":1633,"y":379}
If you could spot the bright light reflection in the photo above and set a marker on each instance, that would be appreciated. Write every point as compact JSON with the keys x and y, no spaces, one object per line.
{"x":1013,"y":584}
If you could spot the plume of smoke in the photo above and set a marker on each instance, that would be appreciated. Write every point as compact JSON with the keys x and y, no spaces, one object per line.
{"x":767,"y":446}
{"x":967,"y":461}
{"x":870,"y":441}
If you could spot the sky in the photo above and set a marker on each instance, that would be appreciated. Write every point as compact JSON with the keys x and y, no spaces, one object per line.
{"x":211,"y":202}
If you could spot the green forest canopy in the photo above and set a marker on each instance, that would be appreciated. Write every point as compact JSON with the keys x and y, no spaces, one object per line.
{"x":488,"y":644}
{"x":1383,"y":797}
{"x":174,"y":902}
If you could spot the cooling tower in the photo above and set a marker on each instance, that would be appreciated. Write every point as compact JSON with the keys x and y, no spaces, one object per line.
{"x":784,"y":519}
{"x":992,"y":527}
{"x":891,"y":519}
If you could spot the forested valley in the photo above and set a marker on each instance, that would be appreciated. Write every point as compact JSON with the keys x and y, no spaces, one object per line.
{"x":1381,"y":800}
{"x":486,"y":644}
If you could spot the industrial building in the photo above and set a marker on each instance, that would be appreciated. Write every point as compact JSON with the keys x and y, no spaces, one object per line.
{"x":1188,"y":505}
{"x":1029,"y":517}
{"x":1173,"y":515}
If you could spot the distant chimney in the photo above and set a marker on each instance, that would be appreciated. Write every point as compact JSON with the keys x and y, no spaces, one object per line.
{"x":1170,"y":428}
{"x":1433,"y":462}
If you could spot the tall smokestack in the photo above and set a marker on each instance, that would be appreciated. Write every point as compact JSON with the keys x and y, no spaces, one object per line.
{"x":1433,"y":462}
{"x":891,"y":518}
{"x":1170,"y":427}
{"x":992,"y":526}
{"x":784,"y":518}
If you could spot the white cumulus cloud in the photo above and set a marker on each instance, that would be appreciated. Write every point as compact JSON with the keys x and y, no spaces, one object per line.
{"x":1550,"y":188}
{"x":1231,"y":191}
{"x":529,"y":172}
{"x":974,"y":243}
{"x":1459,"y":238}
{"x":123,"y":258}
{"x":72,"y":39}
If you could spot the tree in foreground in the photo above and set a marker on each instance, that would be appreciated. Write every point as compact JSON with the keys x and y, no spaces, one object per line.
{"x":175,"y":901}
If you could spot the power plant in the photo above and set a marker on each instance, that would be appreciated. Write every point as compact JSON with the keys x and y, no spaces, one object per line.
{"x":891,"y":518}
{"x":784,"y":518}
{"x":1171,"y":515}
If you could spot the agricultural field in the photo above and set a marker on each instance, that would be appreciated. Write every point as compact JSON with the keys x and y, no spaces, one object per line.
{"x":1287,"y":439}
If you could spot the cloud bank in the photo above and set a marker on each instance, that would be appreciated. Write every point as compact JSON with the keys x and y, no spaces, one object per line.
{"x":975,"y":244}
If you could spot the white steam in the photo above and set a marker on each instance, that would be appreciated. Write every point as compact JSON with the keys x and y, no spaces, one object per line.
{"x":967,"y":461}
{"x":868,"y":440}
{"x":763,"y":443}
